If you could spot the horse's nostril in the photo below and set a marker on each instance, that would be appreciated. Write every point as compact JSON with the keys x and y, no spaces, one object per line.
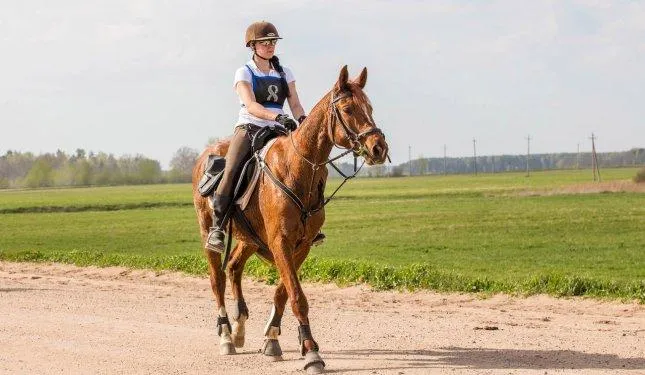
{"x":376,"y":151}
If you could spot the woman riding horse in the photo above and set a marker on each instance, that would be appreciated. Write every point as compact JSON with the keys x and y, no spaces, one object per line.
{"x":286,"y":209}
{"x":262,"y":85}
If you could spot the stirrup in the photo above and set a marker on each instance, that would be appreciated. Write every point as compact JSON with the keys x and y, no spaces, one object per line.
{"x":215,"y":240}
{"x":319,"y":239}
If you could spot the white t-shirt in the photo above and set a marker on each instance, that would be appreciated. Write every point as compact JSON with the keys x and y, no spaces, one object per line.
{"x":243,"y":74}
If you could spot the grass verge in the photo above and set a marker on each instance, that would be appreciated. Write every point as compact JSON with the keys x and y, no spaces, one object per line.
{"x":379,"y":277}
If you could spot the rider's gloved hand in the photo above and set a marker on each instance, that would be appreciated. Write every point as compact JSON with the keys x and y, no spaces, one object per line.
{"x":286,"y":121}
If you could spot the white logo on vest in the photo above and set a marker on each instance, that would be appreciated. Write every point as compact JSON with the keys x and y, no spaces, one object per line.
{"x":273,"y":93}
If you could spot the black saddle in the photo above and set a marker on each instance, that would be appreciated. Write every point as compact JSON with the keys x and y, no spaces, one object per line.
{"x":259,"y":137}
{"x":263,"y":135}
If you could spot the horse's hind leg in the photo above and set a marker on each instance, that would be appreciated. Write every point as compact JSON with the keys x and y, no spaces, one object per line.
{"x":240,"y":312}
{"x":218,"y":285}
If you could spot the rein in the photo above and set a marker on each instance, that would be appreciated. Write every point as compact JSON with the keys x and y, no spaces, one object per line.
{"x":356,"y":147}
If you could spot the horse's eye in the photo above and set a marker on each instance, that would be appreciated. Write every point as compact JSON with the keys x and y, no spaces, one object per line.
{"x":348,"y":110}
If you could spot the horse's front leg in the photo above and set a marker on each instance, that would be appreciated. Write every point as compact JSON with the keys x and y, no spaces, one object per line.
{"x":272,"y":329}
{"x":288,"y":262}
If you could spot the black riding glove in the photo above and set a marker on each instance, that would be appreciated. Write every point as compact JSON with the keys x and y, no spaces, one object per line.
{"x":287,"y":122}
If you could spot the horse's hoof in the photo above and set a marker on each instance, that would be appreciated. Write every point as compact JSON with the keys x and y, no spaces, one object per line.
{"x":226,"y":348}
{"x":238,"y":341}
{"x":314,"y":363}
{"x":272,"y":349}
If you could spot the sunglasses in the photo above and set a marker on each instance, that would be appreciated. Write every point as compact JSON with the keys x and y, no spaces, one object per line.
{"x":270,"y":42}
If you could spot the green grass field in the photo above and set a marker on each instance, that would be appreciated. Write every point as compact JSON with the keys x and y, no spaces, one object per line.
{"x":486,"y":233}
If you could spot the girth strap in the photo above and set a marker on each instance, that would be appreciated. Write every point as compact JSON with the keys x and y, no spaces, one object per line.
{"x":242,"y":220}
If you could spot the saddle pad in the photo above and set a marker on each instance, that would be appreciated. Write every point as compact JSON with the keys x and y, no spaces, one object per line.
{"x":244,"y":199}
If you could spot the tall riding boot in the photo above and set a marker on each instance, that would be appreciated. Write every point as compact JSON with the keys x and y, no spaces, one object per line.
{"x":215,"y":239}
{"x":238,"y":150}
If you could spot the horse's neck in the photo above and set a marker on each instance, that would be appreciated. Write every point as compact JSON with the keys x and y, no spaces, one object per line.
{"x":312,"y":139}
{"x":311,"y":144}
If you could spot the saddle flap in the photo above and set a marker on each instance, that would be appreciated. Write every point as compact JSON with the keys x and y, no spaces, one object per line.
{"x":244,"y":199}
{"x":215,"y":164}
{"x":208,"y":183}
{"x":212,"y":175}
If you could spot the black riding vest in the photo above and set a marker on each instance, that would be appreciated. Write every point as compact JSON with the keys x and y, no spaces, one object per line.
{"x":268,"y":90}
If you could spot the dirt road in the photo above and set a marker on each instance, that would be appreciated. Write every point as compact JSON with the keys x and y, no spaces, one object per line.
{"x":64,"y":319}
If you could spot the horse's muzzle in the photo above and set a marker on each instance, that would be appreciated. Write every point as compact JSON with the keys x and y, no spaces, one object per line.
{"x":377,"y":149}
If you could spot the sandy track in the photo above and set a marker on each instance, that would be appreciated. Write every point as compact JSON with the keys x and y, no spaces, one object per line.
{"x":64,"y":319}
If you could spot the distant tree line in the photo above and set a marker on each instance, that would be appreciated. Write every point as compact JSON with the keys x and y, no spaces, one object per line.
{"x":26,"y":170}
{"x":499,"y":163}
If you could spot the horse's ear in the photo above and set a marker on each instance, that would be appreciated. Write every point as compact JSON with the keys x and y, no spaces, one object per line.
{"x":342,"y":79}
{"x":362,"y":78}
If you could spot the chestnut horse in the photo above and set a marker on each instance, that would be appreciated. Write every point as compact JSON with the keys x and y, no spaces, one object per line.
{"x":342,"y":118}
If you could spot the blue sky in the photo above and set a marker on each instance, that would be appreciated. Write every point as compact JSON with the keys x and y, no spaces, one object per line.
{"x":145,"y":76}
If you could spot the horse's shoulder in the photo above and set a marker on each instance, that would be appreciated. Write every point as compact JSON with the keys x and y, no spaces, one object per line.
{"x":278,"y":150}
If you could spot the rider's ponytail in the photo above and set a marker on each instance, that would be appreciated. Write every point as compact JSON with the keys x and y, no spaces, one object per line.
{"x":276,"y":65}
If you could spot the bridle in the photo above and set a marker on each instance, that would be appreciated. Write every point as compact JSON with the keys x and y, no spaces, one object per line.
{"x":356,"y":147}
{"x":353,"y":137}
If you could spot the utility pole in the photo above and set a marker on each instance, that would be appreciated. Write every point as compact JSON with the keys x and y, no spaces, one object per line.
{"x":578,"y":157}
{"x":445,"y":170}
{"x":410,"y":160}
{"x":528,"y":155}
{"x":475,"y":155}
{"x":594,"y":158}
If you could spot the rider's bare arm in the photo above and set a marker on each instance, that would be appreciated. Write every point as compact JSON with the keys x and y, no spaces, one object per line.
{"x":245,"y":92}
{"x":294,"y":101}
